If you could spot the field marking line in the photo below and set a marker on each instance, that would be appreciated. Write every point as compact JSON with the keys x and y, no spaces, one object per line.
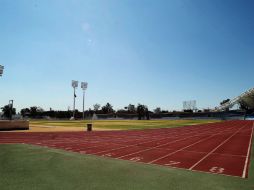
{"x":216,"y":148}
{"x":63,"y":143}
{"x":99,"y":143}
{"x":180,"y":135}
{"x":248,"y":154}
{"x":183,"y":148}
{"x":179,"y":150}
{"x":140,"y":144}
{"x":147,"y":142}
{"x":210,"y":135}
{"x":154,"y":147}
{"x":176,"y":132}
{"x":242,"y":156}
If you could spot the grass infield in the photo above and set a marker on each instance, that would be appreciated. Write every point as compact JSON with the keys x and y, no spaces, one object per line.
{"x":27,"y":167}
{"x":119,"y":124}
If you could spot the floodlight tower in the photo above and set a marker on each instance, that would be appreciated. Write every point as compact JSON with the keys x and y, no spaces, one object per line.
{"x":84,"y":87}
{"x":1,"y":70}
{"x":74,"y":84}
{"x":10,"y":107}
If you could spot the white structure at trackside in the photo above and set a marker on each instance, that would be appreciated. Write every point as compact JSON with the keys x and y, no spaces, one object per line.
{"x":247,"y":98}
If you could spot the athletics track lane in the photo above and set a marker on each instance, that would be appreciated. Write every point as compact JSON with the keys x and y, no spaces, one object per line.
{"x":220,"y":148}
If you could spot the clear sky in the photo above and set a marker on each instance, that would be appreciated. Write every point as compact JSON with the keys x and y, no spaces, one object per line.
{"x":153,"y":52}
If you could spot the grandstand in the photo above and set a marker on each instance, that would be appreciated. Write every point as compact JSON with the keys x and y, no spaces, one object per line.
{"x":246,"y":98}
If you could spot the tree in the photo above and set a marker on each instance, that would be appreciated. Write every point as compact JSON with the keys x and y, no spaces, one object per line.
{"x":157,"y":110}
{"x":243,"y":106}
{"x":147,"y":113}
{"x":122,"y":111}
{"x":35,"y":111}
{"x":25,"y":111}
{"x":141,"y":110}
{"x":131,"y":108}
{"x":7,"y":111}
{"x":96,"y":107}
{"x":108,"y":108}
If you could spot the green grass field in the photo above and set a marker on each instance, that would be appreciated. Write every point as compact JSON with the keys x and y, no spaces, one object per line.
{"x":120,"y":124}
{"x":27,"y":167}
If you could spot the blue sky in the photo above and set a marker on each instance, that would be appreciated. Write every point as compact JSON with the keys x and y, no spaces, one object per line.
{"x":157,"y":53}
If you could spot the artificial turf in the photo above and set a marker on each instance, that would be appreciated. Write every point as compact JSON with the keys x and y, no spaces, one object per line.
{"x":27,"y":167}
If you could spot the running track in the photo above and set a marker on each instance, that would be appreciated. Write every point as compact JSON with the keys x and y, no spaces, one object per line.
{"x":219,"y":148}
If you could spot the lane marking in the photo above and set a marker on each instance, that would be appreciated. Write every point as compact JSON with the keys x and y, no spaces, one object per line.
{"x":206,"y":131}
{"x":180,"y":135}
{"x":216,"y":148}
{"x":184,"y":148}
{"x":241,"y":156}
{"x":247,"y":157}
{"x":155,"y":147}
{"x":179,"y":150}
{"x":107,"y":155}
{"x":136,"y":159}
{"x":217,"y":170}
{"x":171,"y":163}
{"x":165,"y":144}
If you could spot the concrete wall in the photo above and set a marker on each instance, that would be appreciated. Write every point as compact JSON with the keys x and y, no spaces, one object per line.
{"x":14,"y":125}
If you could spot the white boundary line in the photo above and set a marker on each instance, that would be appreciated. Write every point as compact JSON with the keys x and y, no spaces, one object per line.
{"x":200,"y":140}
{"x":248,"y":154}
{"x":158,"y":146}
{"x":242,"y":156}
{"x":151,"y":162}
{"x":129,"y":161}
{"x":127,"y":146}
{"x":193,"y":133}
{"x":190,"y":133}
{"x":181,"y":138}
{"x":216,"y":148}
{"x":134,"y":161}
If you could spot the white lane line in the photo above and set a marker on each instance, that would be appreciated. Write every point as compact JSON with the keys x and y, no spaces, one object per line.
{"x":180,"y":135}
{"x":168,"y":144}
{"x":185,"y":147}
{"x":248,"y":154}
{"x":205,"y":131}
{"x":180,"y":149}
{"x":216,"y":148}
{"x":241,"y":156}
{"x":128,"y":146}
{"x":156,"y":147}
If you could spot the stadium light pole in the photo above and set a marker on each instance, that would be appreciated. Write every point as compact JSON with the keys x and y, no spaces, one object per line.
{"x":1,"y":70}
{"x":10,"y":107}
{"x":84,"y":87}
{"x":74,"y":84}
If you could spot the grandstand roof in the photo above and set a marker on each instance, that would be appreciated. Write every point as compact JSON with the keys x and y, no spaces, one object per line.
{"x":246,"y":98}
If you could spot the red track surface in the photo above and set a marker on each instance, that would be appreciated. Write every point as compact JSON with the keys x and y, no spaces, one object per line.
{"x":220,"y":148}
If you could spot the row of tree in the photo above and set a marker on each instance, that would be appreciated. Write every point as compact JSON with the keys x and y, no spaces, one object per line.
{"x":140,"y":110}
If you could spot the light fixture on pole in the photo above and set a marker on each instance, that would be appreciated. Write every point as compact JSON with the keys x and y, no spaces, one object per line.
{"x":1,"y":70}
{"x":74,"y":84}
{"x":84,"y":87}
{"x":10,"y":107}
